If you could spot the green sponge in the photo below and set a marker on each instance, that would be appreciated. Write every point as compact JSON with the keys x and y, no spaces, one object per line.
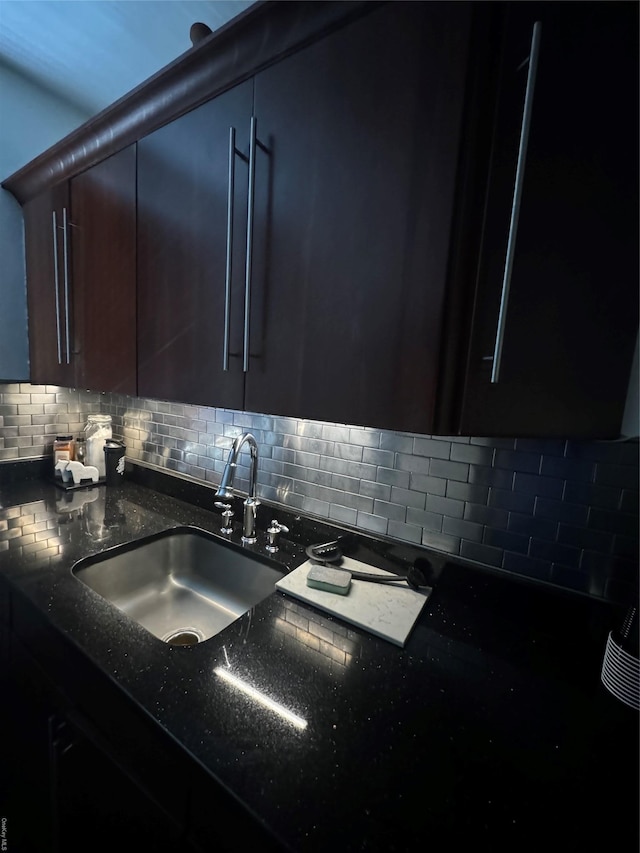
{"x":329,"y":580}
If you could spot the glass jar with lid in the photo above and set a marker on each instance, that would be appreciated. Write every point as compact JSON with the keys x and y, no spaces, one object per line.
{"x":96,"y":432}
{"x":62,"y":451}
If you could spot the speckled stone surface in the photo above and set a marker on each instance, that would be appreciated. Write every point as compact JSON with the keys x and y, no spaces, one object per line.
{"x":490,"y":727}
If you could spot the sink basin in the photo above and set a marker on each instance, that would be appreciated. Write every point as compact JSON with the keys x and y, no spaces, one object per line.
{"x":182,"y":585}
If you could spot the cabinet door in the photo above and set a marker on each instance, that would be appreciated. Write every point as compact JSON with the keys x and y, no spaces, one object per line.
{"x":103,"y":234}
{"x":63,"y":789}
{"x":94,"y":800}
{"x":571,"y":317}
{"x":49,"y":296}
{"x":183,"y":235}
{"x":355,"y":174}
{"x":80,"y":260}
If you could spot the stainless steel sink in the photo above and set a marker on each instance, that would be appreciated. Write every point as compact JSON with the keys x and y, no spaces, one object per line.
{"x":182,"y":585}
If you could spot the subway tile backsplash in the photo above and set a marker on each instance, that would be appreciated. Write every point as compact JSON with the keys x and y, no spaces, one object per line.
{"x":565,"y":512}
{"x":32,"y":415}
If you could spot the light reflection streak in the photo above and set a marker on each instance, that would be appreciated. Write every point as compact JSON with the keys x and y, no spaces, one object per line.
{"x":260,"y":697}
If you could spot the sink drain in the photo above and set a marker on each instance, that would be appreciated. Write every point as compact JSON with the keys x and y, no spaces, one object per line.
{"x":184,"y":637}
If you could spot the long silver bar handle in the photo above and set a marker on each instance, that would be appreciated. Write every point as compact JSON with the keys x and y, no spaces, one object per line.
{"x":228,"y":268}
{"x":247,"y":278}
{"x":65,"y":251}
{"x":56,"y":282}
{"x":517,"y":198}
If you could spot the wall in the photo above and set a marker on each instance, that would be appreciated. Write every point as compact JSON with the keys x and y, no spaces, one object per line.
{"x":560,"y":511}
{"x":32,"y":119}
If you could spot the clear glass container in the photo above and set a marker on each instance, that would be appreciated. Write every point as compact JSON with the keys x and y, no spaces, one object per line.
{"x":62,"y":450}
{"x":80,"y":449}
{"x":96,"y":432}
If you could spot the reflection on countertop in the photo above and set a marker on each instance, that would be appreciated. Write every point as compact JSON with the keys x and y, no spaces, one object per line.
{"x":490,"y":725}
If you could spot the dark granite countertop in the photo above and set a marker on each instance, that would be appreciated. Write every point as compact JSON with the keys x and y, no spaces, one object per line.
{"x":491,"y":726}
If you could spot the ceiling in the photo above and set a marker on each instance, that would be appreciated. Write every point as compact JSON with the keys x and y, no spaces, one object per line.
{"x":91,"y":52}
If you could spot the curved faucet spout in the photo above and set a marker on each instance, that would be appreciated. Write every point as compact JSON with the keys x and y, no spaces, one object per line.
{"x":225,"y":489}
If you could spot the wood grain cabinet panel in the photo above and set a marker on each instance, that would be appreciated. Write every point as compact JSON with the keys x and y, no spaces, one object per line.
{"x":183,"y":236}
{"x":103,"y":236}
{"x":347,"y":265}
{"x":339,"y":273}
{"x":81,"y":290}
{"x":571,"y":318}
{"x":49,"y":296}
{"x":354,"y":202}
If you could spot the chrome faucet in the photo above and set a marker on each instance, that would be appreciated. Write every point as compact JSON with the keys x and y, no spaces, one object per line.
{"x":225,"y":489}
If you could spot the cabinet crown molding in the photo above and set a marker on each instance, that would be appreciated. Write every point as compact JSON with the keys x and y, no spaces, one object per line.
{"x":260,"y":36}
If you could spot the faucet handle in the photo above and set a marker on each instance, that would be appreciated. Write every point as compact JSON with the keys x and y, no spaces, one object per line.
{"x":227,"y":515}
{"x":273,"y":533}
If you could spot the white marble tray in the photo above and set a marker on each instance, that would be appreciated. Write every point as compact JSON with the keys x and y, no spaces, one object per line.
{"x":386,"y":610}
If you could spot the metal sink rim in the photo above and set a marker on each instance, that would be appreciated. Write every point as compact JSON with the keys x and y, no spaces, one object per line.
{"x":150,"y":594}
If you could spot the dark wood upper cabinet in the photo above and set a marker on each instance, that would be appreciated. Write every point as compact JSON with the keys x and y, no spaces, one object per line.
{"x":324,"y":201}
{"x":80,"y":260}
{"x":103,"y":239}
{"x":571,"y":315}
{"x":49,"y":295}
{"x":355,"y":189}
{"x":186,"y":244}
{"x":338,"y":277}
